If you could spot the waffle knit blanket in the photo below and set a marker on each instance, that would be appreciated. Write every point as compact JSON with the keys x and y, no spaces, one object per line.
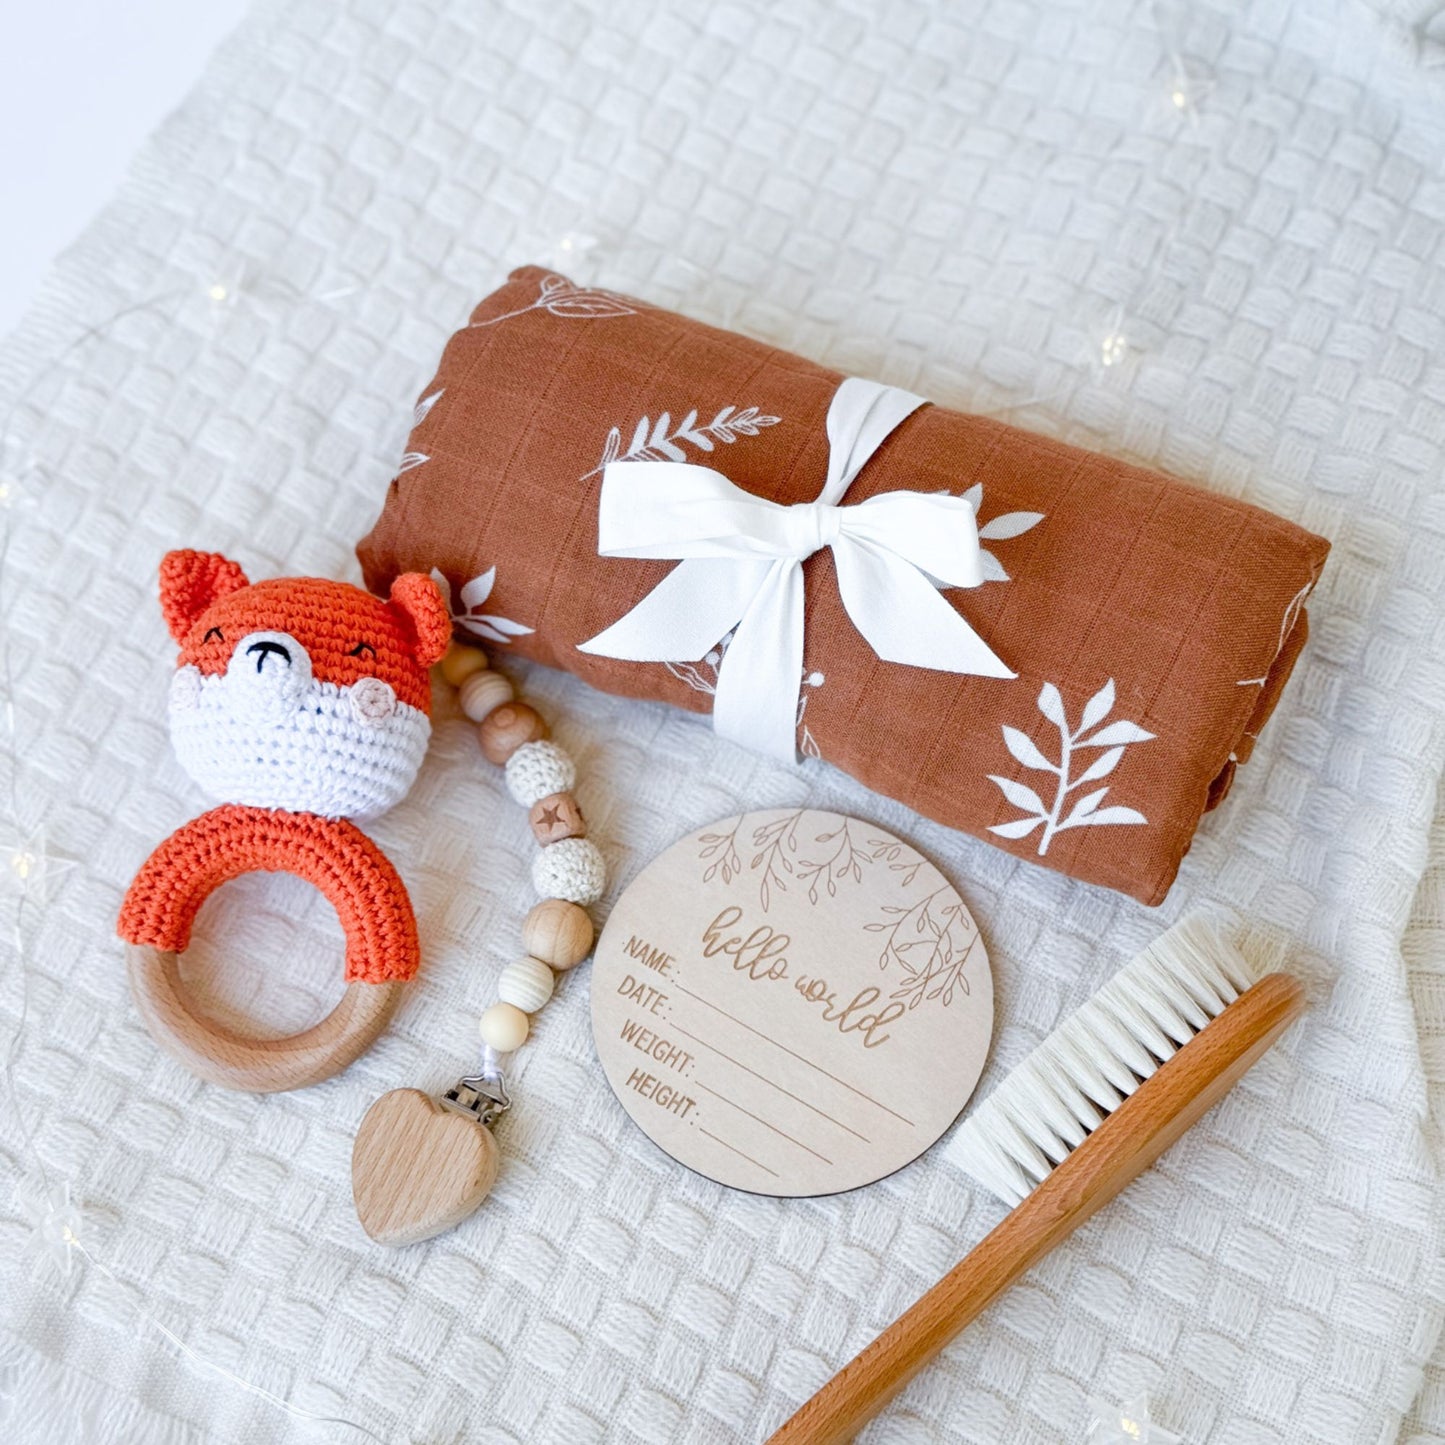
{"x":964,"y":201}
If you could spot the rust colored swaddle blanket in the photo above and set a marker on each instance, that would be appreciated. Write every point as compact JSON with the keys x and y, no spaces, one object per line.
{"x":1151,"y":624}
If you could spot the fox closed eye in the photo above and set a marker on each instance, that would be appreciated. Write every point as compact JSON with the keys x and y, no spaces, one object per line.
{"x":213,"y":632}
{"x":360,"y":648}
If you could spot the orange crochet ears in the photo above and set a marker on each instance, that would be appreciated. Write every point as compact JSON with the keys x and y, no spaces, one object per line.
{"x":209,"y":605}
{"x":298,"y":703}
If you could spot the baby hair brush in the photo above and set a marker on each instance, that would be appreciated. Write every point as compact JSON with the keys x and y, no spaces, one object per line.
{"x":1092,"y":1107}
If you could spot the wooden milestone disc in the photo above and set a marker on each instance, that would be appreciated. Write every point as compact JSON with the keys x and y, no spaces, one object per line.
{"x":792,"y":1002}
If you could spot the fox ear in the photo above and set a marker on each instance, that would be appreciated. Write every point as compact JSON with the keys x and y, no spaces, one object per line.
{"x":417,"y":602}
{"x":190,"y":582}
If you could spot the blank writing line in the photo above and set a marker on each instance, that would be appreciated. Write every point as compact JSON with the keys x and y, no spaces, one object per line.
{"x":764,"y":1123}
{"x":900,"y":1117}
{"x":677,"y":1027}
{"x":738,"y":1152}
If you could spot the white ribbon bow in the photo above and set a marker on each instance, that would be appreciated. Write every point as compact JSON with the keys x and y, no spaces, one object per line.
{"x":742,"y":568}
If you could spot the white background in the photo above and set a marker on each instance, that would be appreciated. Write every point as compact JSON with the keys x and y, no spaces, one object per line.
{"x":82,"y":83}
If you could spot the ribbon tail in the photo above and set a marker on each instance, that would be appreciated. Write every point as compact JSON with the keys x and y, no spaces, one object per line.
{"x":761,"y":674}
{"x":686,"y":614}
{"x":904,"y":617}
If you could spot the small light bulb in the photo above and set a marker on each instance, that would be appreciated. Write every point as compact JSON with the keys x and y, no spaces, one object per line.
{"x":22,"y":863}
{"x":1113,"y":349}
{"x":217,"y":292}
{"x":1179,"y":98}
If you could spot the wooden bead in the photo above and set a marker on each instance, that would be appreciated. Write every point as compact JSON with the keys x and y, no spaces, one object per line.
{"x":527,"y":984}
{"x":506,"y":728}
{"x":558,"y":933}
{"x":461,"y":662}
{"x":483,"y":693}
{"x":557,"y":816}
{"x":504,"y":1027}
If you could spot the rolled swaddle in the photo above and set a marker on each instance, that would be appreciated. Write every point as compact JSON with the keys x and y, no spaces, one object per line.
{"x":1113,"y":640}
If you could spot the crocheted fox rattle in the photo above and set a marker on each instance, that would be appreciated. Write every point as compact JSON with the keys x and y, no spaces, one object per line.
{"x":298,"y":704}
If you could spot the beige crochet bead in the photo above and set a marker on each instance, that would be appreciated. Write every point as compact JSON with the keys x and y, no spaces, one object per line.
{"x":504,"y":1026}
{"x":572,"y":869}
{"x":461,"y":662}
{"x":527,"y":984}
{"x":483,"y":693}
{"x":557,"y":932}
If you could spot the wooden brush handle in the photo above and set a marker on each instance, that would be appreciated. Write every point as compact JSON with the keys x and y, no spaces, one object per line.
{"x":1121,"y":1148}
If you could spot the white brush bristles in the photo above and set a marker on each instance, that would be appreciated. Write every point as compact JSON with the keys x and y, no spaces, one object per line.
{"x":1098,"y":1056}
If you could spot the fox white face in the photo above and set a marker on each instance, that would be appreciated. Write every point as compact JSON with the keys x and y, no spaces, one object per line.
{"x":269,"y":734}
{"x":298,"y":693}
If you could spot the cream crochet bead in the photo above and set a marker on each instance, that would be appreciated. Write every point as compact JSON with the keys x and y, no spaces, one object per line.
{"x":572,"y":869}
{"x":537,"y":770}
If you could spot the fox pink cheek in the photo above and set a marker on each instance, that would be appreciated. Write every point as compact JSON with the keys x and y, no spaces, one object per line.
{"x":372,"y":700}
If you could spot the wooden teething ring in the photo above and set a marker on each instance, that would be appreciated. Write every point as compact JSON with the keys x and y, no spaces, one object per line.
{"x":340,"y":860}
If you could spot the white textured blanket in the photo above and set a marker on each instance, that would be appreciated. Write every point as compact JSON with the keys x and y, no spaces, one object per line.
{"x":964,"y":200}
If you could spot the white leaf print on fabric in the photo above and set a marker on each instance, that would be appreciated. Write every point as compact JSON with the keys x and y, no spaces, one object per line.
{"x":560,"y":297}
{"x":469,"y":619}
{"x":1002,"y":528}
{"x":1086,"y":811}
{"x":1287,"y":622}
{"x":660,"y":441}
{"x":424,"y":406}
{"x":410,"y":460}
{"x":702,"y":677}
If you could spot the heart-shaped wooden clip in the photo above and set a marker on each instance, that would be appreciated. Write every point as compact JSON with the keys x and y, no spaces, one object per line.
{"x":420,"y":1166}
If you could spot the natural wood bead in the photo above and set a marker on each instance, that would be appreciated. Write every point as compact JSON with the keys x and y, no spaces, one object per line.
{"x":484,"y":693}
{"x":558,"y":933}
{"x":461,"y":662}
{"x":527,"y":984}
{"x":504,"y":1026}
{"x":506,"y":728}
{"x":557,"y":816}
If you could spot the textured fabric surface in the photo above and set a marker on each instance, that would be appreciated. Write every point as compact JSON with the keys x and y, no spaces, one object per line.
{"x":957,"y":202}
{"x":1149,"y":612}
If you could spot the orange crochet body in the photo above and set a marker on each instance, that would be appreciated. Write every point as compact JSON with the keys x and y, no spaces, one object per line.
{"x":336,"y":856}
